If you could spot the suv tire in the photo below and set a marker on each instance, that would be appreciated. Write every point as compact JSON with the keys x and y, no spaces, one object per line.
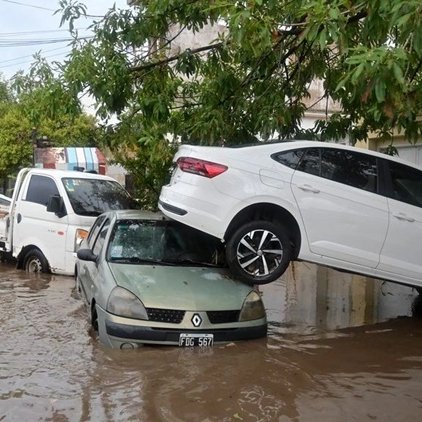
{"x":259,"y":252}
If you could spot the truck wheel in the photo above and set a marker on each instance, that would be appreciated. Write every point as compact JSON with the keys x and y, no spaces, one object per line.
{"x":35,"y":262}
{"x":258,"y":252}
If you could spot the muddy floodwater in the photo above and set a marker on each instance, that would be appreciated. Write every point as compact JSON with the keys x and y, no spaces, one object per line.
{"x":339,"y":348}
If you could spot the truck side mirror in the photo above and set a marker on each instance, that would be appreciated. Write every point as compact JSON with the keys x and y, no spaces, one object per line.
{"x":86,"y":255}
{"x":56,"y":204}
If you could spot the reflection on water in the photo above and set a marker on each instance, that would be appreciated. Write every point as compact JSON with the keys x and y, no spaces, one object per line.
{"x":340,"y":347}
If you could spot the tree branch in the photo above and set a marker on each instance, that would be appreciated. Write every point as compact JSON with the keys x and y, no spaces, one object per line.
{"x":174,"y":58}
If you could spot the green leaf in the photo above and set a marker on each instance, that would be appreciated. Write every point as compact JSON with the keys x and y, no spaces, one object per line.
{"x":323,"y":39}
{"x":398,"y":73}
{"x":357,"y":73}
{"x":380,"y":88}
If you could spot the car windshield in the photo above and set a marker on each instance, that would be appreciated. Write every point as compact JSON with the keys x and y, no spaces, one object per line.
{"x":163,"y":242}
{"x":94,"y":196}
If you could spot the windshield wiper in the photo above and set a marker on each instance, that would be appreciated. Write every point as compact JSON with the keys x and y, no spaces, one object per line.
{"x":88,"y":213}
{"x":136,"y":260}
{"x":192,"y":262}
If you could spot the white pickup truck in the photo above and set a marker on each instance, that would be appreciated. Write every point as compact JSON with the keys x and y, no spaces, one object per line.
{"x":50,"y":214}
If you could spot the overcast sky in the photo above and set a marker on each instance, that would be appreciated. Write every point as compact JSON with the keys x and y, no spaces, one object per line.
{"x":25,"y":22}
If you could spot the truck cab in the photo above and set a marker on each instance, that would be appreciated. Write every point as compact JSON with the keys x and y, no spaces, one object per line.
{"x":50,"y":214}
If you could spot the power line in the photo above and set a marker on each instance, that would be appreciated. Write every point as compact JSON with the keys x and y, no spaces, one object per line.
{"x":28,"y":5}
{"x":44,"y":8}
{"x":32,"y":55}
{"x":26,"y":43}
{"x":29,"y":61}
{"x":43,"y":31}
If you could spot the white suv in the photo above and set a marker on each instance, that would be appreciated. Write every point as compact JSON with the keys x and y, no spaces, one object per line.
{"x":347,"y":208}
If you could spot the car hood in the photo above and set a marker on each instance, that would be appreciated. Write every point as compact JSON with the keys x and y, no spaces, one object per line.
{"x":184,"y":288}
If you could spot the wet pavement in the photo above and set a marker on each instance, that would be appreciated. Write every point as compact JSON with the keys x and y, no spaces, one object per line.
{"x":340,"y":347}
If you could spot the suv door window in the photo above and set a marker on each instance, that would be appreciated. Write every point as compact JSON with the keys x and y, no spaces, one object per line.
{"x":40,"y":189}
{"x":406,"y":184}
{"x":349,"y":168}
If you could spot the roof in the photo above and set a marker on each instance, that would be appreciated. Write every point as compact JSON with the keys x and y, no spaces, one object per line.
{"x":273,"y":147}
{"x":67,"y":173}
{"x":137,"y":214}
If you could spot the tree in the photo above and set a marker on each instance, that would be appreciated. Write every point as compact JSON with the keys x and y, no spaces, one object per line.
{"x":53,"y":109}
{"x":5,"y":92}
{"x":38,"y":103}
{"x":254,"y":77}
{"x":15,"y":148}
{"x":147,"y":160}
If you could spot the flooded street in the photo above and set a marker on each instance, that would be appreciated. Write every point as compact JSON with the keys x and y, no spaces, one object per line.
{"x":339,"y":347}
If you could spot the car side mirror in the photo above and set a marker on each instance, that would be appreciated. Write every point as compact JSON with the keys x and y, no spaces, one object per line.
{"x":86,"y":255}
{"x":56,"y":204}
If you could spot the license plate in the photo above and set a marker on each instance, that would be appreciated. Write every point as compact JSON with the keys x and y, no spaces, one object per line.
{"x":200,"y":340}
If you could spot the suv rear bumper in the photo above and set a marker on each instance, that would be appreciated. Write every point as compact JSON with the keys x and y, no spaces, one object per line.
{"x":170,"y":208}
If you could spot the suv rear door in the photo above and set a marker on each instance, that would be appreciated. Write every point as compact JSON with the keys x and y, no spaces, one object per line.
{"x":401,"y":253}
{"x":336,"y":193}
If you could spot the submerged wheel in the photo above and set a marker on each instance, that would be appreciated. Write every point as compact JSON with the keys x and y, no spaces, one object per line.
{"x":94,"y":318}
{"x":36,"y":262}
{"x":258,"y":252}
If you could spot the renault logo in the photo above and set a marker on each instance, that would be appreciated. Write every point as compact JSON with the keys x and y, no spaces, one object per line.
{"x":196,"y":320}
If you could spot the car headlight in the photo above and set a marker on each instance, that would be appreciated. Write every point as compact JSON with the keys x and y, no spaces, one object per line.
{"x":123,"y":303}
{"x":252,"y":308}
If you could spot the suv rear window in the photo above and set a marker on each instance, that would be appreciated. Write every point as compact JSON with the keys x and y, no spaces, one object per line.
{"x":289,"y":158}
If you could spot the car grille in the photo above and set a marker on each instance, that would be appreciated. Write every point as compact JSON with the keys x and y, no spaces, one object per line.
{"x":223,"y":317}
{"x":172,"y":316}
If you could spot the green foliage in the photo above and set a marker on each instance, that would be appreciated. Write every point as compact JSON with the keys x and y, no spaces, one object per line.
{"x":253,"y":78}
{"x":39,"y":104}
{"x":5,"y":92}
{"x":146,"y":157}
{"x":250,"y":79}
{"x":15,"y":150}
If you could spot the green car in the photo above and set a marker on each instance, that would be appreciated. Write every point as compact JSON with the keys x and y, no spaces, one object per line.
{"x":150,"y":280}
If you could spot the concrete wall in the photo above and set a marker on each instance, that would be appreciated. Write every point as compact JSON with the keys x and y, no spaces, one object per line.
{"x":310,"y":295}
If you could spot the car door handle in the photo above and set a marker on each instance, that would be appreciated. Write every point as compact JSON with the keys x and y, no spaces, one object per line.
{"x":403,"y":217}
{"x":308,"y":188}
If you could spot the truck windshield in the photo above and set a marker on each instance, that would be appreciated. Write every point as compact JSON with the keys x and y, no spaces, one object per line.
{"x":94,"y":196}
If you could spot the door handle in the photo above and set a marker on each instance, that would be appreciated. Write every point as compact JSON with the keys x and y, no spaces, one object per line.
{"x":19,"y":218}
{"x":403,"y":217}
{"x":308,"y":188}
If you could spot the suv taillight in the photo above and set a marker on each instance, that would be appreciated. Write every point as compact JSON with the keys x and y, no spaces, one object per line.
{"x":200,"y":167}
